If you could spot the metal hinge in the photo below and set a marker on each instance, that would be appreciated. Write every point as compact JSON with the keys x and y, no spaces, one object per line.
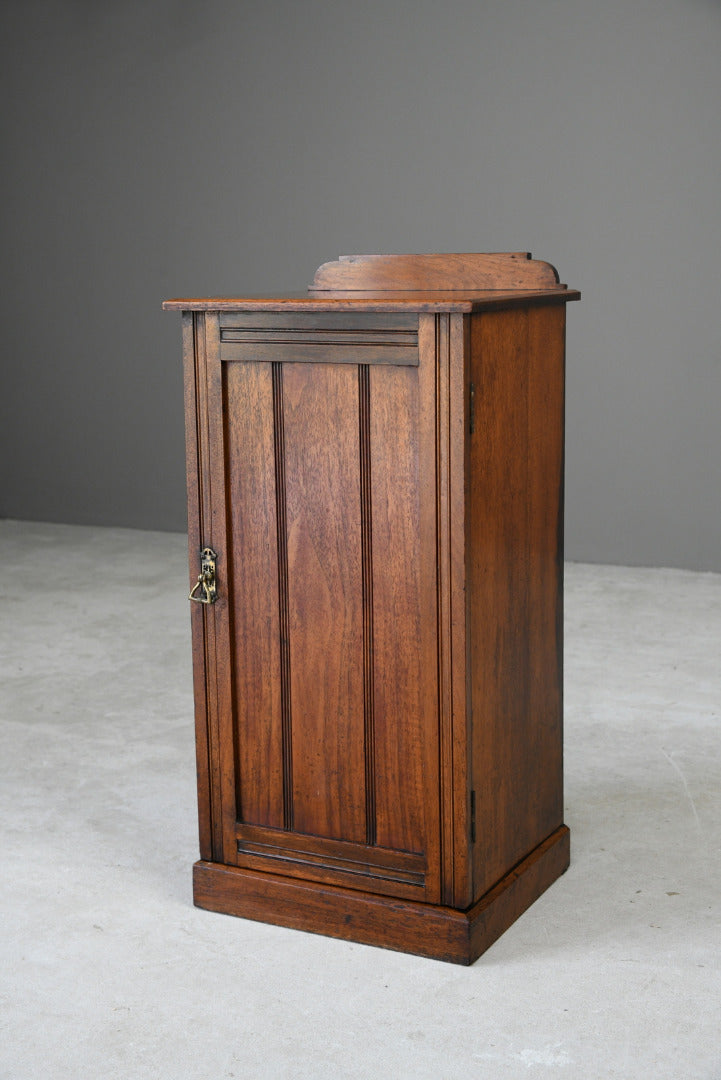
{"x":472,"y":409}
{"x":206,"y":579}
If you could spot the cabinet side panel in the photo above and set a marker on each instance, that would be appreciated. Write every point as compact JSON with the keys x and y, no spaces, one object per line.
{"x":254,"y":607}
{"x":325,"y":598}
{"x":514,"y":493}
{"x":546,"y":407}
{"x":400,"y":666}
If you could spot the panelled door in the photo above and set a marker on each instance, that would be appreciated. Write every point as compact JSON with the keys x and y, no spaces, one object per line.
{"x":321,"y":665}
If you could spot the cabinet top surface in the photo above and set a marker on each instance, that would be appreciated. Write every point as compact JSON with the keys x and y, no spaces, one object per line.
{"x":461,"y":282}
{"x":436,"y":301}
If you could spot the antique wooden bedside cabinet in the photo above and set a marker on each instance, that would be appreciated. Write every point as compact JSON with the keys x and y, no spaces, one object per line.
{"x":375,"y":483}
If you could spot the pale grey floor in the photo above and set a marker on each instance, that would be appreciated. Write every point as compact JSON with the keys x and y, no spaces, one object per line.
{"x":107,"y":971}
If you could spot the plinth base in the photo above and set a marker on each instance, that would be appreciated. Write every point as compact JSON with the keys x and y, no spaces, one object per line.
{"x":441,"y":933}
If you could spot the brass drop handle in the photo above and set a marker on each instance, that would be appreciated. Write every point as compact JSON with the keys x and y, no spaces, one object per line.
{"x":206,"y":579}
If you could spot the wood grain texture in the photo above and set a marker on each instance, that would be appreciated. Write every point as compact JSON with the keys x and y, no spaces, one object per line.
{"x":313,"y":320}
{"x":437,"y":932}
{"x":366,"y":510}
{"x":361,"y":301}
{"x":427,"y":569}
{"x":322,"y":468}
{"x":196,"y":511}
{"x":398,"y":614}
{"x":323,"y":337}
{"x":504,"y":270}
{"x":281,"y":531}
{"x":378,"y":688}
{"x":447,"y":764}
{"x":338,"y":862}
{"x":546,"y":408}
{"x":461,"y":780}
{"x":216,"y":618}
{"x":302,"y":349}
{"x":513,"y":505}
{"x":451,"y":361}
{"x":254,"y":574}
{"x":200,"y":506}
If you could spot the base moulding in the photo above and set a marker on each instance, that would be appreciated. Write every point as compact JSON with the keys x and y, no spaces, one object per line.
{"x":441,"y":933}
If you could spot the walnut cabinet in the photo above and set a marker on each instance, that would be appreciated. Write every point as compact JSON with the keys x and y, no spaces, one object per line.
{"x":375,"y":483}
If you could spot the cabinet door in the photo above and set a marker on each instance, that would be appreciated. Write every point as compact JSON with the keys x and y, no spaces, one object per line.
{"x":319,"y":659}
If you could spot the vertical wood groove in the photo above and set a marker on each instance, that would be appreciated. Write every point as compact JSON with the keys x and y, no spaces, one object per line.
{"x":367,"y":587}
{"x":283,"y":604}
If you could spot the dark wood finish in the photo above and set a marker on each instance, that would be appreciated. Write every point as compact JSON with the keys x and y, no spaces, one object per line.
{"x":441,"y":933}
{"x":323,"y":337}
{"x":377,"y":300}
{"x":253,"y":558}
{"x":194,"y":411}
{"x":378,"y":686}
{"x":514,"y":568}
{"x":358,"y":865}
{"x":504,"y":270}
{"x":378,"y":324}
{"x":322,"y":470}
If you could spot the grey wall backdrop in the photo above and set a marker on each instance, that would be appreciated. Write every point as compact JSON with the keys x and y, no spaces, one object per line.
{"x":158,"y":148}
